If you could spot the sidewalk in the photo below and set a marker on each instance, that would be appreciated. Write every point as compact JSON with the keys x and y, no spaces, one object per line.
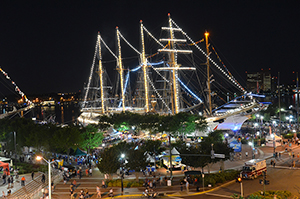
{"x":17,"y":184}
{"x":61,"y":190}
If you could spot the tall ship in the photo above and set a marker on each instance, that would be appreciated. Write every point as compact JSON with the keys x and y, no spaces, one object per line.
{"x":168,"y":75}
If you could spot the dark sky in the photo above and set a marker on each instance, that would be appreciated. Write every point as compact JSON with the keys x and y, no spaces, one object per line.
{"x":48,"y":46}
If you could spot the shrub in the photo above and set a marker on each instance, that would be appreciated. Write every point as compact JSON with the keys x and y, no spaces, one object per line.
{"x":270,"y":194}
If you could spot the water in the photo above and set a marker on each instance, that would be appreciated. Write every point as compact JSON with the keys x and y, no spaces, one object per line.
{"x":64,"y":113}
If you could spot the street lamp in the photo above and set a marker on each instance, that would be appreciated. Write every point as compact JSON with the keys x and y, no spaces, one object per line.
{"x":49,"y":171}
{"x":122,"y":172}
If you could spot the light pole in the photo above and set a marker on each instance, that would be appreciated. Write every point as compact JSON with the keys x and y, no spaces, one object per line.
{"x":122,"y":173}
{"x":49,"y":171}
{"x":203,"y":180}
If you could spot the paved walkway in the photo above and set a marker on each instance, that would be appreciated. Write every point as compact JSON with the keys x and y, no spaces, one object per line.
{"x":61,"y":190}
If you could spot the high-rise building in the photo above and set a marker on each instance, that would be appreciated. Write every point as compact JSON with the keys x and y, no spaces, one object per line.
{"x":259,"y":81}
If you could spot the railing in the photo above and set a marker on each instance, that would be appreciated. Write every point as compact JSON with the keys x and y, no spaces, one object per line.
{"x":57,"y":176}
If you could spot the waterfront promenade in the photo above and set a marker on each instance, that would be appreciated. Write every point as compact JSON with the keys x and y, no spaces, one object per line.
{"x":61,"y":190}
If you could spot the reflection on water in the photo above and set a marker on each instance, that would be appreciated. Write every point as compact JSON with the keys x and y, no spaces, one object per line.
{"x":65,"y":113}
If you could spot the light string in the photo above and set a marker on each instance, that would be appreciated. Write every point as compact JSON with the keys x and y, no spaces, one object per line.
{"x":214,"y":63}
{"x":158,"y":94}
{"x":91,"y":74}
{"x":129,"y":44}
{"x":17,"y":89}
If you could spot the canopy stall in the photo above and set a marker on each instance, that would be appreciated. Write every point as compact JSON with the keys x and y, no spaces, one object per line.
{"x":5,"y":168}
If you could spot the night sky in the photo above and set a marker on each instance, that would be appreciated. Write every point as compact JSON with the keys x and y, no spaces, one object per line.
{"x":48,"y":46}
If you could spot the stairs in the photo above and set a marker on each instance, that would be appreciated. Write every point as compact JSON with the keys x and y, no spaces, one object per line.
{"x":30,"y":189}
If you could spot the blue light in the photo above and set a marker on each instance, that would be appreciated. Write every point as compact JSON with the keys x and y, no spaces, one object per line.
{"x":127,"y":78}
{"x":135,"y":69}
{"x":155,"y":64}
{"x":193,"y":94}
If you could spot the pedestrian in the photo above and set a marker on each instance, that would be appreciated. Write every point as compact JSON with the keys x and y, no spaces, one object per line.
{"x":86,"y":193}
{"x":246,"y":153}
{"x":98,"y":192}
{"x":43,"y":178}
{"x":8,"y":181}
{"x":4,"y":178}
{"x":103,"y":184}
{"x":87,"y":172}
{"x":160,"y":179}
{"x":90,"y":171}
{"x":12,"y":181}
{"x":65,"y":179}
{"x":32,"y":175}
{"x":23,"y":181}
{"x":111,"y":193}
{"x":187,"y":185}
{"x":3,"y":194}
{"x":166,"y":180}
{"x":181,"y":185}
{"x":71,"y":191}
{"x":274,"y":163}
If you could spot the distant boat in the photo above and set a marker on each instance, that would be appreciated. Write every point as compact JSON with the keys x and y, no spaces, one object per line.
{"x":48,"y":103}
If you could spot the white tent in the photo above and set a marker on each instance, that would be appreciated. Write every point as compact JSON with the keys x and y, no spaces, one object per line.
{"x":271,"y":138}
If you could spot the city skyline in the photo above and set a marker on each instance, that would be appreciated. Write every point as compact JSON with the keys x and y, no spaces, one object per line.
{"x":48,"y":46}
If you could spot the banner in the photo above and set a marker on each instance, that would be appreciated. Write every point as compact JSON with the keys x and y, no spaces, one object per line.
{"x":236,"y":146}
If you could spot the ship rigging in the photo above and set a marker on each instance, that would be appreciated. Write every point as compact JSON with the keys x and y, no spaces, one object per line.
{"x":162,"y":84}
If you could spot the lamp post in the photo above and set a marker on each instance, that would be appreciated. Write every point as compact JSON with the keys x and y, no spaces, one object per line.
{"x":122,"y":173}
{"x":49,"y":172}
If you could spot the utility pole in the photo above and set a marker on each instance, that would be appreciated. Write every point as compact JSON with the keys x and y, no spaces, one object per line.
{"x":279,"y":104}
{"x":208,"y":75}
{"x":297,"y":107}
{"x":170,"y":157}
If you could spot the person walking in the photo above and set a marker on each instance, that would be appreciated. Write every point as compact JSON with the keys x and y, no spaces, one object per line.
{"x":98,"y":192}
{"x":23,"y":181}
{"x":4,"y":178}
{"x":90,"y":171}
{"x":32,"y":175}
{"x":8,"y":181}
{"x":187,"y":185}
{"x":181,"y":185}
{"x":12,"y":181}
{"x":71,"y":191}
{"x":43,"y":178}
{"x":86,"y":193}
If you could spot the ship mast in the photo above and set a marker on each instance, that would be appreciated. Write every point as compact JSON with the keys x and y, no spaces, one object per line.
{"x":145,"y":69}
{"x":208,"y":75}
{"x":101,"y":73}
{"x":173,"y":64}
{"x":120,"y":69}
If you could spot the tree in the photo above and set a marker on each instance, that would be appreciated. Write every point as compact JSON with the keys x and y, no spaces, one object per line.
{"x":215,"y":138}
{"x":66,"y":138}
{"x":137,"y":160}
{"x":192,"y":156}
{"x":91,"y":138}
{"x":110,"y":157}
{"x":152,"y":147}
{"x":109,"y":162}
